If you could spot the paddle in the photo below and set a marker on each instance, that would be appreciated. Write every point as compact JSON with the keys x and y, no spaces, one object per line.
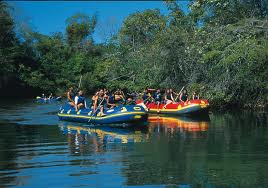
{"x":95,"y":110}
{"x":80,"y":82}
{"x":179,"y":93}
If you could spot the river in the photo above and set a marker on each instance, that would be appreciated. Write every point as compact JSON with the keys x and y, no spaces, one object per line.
{"x":227,"y":149}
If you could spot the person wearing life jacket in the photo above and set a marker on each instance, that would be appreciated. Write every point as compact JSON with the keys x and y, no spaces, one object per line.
{"x":184,"y":96}
{"x":110,"y":99}
{"x":168,"y":98}
{"x":70,"y":96}
{"x":80,"y":101}
{"x":157,"y":96}
{"x":195,"y":96}
{"x":99,"y":103}
{"x":119,"y":97}
{"x":147,"y":96}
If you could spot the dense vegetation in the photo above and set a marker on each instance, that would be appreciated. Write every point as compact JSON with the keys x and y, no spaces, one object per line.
{"x":219,"y":48}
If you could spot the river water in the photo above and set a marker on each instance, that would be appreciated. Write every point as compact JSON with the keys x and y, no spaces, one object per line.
{"x":227,"y":149}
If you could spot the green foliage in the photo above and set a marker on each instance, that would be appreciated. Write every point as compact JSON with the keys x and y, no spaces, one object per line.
{"x":80,"y":27}
{"x":142,"y":27}
{"x":219,"y":49}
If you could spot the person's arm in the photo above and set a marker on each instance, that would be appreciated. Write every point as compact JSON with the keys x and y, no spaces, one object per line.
{"x":181,"y":97}
{"x":69,"y":97}
{"x":193,"y":97}
{"x":85,"y":103}
{"x":95,"y":104}
{"x":172,"y":98}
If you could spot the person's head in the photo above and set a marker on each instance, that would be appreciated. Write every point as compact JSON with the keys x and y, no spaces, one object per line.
{"x":101,"y":92}
{"x":170,"y":90}
{"x":158,"y":91}
{"x":117,"y":92}
{"x":184,"y":91}
{"x":167,"y":91}
{"x":80,"y":92}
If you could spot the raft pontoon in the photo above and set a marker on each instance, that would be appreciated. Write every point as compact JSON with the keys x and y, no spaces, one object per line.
{"x":119,"y":114}
{"x":192,"y":107}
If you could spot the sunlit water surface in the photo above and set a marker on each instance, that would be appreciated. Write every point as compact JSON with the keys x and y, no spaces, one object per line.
{"x":225,"y":150}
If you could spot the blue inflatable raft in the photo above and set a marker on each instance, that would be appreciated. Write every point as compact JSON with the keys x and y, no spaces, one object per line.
{"x":46,"y":100}
{"x":119,"y":114}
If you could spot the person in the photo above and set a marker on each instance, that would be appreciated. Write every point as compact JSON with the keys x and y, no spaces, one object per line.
{"x":99,"y":102}
{"x":184,"y":96}
{"x":50,"y":96}
{"x":119,"y":97}
{"x":80,"y":101}
{"x":157,"y":98}
{"x":130,"y":101}
{"x":110,"y":99}
{"x":147,"y":97}
{"x":168,"y":98}
{"x":70,"y":96}
{"x":173,"y":93}
{"x":93,"y":98}
{"x":195,"y":96}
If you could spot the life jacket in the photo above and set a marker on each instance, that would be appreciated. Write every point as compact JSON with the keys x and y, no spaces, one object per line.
{"x":157,"y":96}
{"x":111,"y":99}
{"x":145,"y":96}
{"x":169,"y":97}
{"x":101,"y":101}
{"x":81,"y":99}
{"x":184,"y":97}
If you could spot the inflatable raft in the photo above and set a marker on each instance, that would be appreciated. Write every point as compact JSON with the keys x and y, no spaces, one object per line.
{"x":46,"y":100}
{"x":192,"y":107}
{"x":117,"y":115}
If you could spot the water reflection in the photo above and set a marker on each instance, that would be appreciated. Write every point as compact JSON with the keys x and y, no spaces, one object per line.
{"x":182,"y":123}
{"x":100,"y":137}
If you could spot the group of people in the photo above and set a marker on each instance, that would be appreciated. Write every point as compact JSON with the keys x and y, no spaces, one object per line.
{"x":103,"y":98}
{"x":100,"y":100}
{"x":170,"y":96}
{"x":47,"y":98}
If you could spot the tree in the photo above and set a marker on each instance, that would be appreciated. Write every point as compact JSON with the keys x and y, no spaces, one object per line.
{"x":142,"y":27}
{"x":80,"y":28}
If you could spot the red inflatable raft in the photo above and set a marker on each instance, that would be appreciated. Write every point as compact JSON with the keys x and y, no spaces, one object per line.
{"x":186,"y":108}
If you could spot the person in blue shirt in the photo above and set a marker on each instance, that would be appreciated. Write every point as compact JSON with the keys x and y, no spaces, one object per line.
{"x":80,"y":101}
{"x":184,"y":96}
{"x":195,"y":96}
{"x":157,"y":96}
